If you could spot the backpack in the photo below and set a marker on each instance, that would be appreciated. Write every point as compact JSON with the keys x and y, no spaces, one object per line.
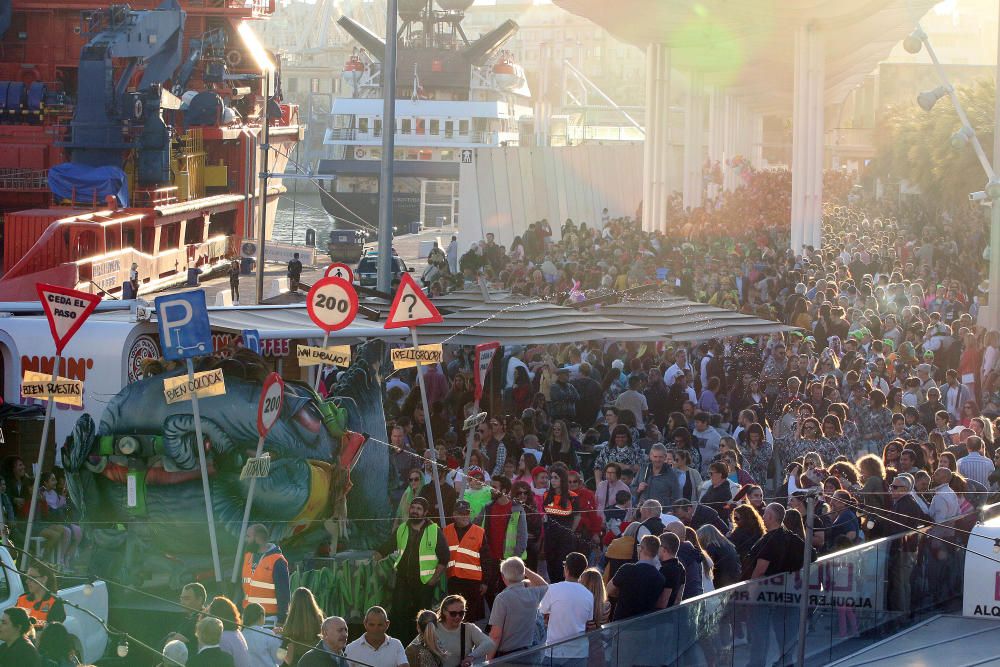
{"x":621,"y":550}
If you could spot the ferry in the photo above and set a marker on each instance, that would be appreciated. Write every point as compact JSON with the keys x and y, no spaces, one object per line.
{"x":130,"y":136}
{"x":453,"y":95}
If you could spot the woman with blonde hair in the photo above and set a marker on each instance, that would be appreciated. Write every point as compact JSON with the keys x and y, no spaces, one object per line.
{"x":302,"y":625}
{"x":592,"y":580}
{"x":424,"y":650}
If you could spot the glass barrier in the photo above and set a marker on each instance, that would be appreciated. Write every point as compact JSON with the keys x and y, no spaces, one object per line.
{"x":855,"y":597}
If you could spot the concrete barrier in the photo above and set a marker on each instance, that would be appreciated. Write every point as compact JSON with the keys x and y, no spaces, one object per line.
{"x":223,"y":299}
{"x":277,"y":286}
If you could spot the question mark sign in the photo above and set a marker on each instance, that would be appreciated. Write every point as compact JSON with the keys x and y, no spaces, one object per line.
{"x":410,"y":304}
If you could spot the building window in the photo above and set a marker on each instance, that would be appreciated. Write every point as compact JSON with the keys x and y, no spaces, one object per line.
{"x":435,"y":127}
{"x":314,"y":85}
{"x":363,"y":124}
{"x":449,"y":128}
{"x":463,"y":127}
{"x":406,"y":124}
{"x":292,"y":86}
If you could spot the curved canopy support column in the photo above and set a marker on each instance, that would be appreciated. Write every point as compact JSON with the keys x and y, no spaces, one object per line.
{"x":807,"y":139}
{"x":694,"y":137}
{"x":656,"y":150}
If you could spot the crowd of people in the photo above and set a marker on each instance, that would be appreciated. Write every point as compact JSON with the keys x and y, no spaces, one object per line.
{"x":611,"y":480}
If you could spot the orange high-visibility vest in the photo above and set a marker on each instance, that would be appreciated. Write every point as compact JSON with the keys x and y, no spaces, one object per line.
{"x":464,"y":562}
{"x":258,"y":582}
{"x":37,"y":609}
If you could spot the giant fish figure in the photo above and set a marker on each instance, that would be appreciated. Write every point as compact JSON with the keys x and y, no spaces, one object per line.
{"x":157,"y":518}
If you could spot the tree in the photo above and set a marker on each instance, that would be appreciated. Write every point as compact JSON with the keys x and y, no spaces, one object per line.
{"x":915,"y":145}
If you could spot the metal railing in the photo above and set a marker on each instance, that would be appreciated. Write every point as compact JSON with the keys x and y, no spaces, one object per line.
{"x":856,"y":596}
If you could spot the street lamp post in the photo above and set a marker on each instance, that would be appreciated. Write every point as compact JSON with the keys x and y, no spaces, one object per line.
{"x":384,"y":263}
{"x":267,"y":68}
{"x":988,"y":316}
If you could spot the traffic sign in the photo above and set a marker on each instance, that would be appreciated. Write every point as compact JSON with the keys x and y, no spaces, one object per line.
{"x":483,"y":358}
{"x":66,"y":310}
{"x":272,"y":395}
{"x":251,"y":340}
{"x":332,"y":304}
{"x":185,"y":331}
{"x":410,"y":306}
{"x":339,"y":270}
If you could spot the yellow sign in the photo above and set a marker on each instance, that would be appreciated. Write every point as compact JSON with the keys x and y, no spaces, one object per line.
{"x":407,"y":357}
{"x":209,"y":383}
{"x":63,"y":390}
{"x":335,"y":355}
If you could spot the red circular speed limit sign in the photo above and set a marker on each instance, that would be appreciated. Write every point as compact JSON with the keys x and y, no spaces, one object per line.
{"x":338,"y":270}
{"x":332,"y":304}
{"x":272,"y":395}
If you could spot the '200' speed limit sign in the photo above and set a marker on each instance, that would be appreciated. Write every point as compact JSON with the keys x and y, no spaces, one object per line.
{"x":332,"y":304}
{"x":272,"y":395}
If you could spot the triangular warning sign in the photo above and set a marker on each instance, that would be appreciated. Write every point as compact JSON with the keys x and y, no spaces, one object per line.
{"x":67,"y":309}
{"x":410,"y":306}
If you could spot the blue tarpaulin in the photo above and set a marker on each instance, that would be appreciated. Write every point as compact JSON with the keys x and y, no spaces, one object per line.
{"x":83,"y":184}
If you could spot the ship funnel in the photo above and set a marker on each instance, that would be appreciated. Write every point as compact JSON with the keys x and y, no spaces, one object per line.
{"x":369,"y":40}
{"x":487,"y":45}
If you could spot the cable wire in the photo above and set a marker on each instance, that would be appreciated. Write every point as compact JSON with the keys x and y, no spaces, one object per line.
{"x":160,"y":598}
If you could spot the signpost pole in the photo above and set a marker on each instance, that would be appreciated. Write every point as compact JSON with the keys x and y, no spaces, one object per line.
{"x":460,"y":479}
{"x":319,"y":371}
{"x":246,"y":515}
{"x":800,"y":656}
{"x":200,"y":446}
{"x":41,"y":463}
{"x":427,"y":423}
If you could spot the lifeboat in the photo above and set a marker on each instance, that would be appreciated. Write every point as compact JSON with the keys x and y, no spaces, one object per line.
{"x":354,"y":69}
{"x":507,"y":73}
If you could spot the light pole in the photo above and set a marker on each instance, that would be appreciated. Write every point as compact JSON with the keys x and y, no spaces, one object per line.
{"x":989,"y":316}
{"x":267,"y":67}
{"x":384,"y":263}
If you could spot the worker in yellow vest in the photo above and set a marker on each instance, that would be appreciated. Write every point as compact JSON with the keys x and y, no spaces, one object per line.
{"x":265,"y":575}
{"x":465,"y":570}
{"x":505,"y":529}
{"x":422,"y":558}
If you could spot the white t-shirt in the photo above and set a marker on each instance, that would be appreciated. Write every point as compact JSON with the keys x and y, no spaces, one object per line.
{"x":569,"y":605}
{"x":389,"y":654}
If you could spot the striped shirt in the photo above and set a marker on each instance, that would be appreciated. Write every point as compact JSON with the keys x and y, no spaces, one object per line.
{"x":976,"y":466}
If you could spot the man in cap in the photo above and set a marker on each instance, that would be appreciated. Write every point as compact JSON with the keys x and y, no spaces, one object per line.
{"x":423,"y":558}
{"x":465,"y":567}
{"x":563,"y":397}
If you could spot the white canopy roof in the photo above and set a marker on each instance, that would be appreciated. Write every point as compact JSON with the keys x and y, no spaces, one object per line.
{"x":747,"y":47}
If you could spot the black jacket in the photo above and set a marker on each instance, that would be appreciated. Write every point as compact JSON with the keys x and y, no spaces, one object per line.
{"x":211,"y":657}
{"x":20,"y":654}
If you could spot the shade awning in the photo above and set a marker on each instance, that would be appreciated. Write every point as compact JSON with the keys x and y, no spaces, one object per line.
{"x":531,"y":323}
{"x":684,"y":320}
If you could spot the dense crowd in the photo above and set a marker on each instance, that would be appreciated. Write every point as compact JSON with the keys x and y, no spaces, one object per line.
{"x":610,"y":480}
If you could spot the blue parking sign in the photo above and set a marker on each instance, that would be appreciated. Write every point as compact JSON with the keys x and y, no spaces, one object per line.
{"x":251,"y":340}
{"x":184,"y":328}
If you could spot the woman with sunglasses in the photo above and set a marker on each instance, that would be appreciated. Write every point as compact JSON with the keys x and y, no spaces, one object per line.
{"x":414,"y":482}
{"x":522,"y":494}
{"x":560,"y":447}
{"x":449,"y":631}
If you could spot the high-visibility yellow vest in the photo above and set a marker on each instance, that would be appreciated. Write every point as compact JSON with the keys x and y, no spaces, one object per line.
{"x":426,"y":550}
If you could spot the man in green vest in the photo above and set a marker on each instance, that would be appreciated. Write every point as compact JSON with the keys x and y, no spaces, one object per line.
{"x":506,"y":534}
{"x":423,"y":556}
